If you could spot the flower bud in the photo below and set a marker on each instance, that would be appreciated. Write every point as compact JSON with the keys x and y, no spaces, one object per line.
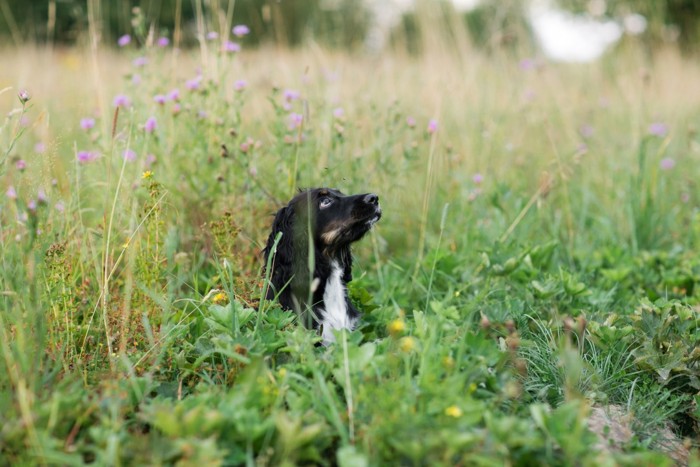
{"x":407,"y":344}
{"x":396,"y":327}
{"x":485,"y":323}
{"x":24,"y":96}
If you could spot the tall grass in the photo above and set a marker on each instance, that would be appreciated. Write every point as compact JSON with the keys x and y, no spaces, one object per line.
{"x":128,"y":289}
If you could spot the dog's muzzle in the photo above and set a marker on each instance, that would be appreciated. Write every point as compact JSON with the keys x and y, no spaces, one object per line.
{"x":373,"y":200}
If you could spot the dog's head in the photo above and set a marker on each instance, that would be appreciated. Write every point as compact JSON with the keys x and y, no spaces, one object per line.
{"x":340,"y":219}
{"x":333,"y":220}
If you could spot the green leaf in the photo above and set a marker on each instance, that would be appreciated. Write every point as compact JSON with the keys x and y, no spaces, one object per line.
{"x":359,"y":357}
{"x":546,"y":290}
{"x":349,"y":456}
{"x":421,"y":324}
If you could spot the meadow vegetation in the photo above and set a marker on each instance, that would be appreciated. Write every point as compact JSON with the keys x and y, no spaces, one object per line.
{"x":537,"y":258}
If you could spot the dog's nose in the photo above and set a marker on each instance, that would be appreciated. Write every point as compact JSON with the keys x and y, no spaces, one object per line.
{"x":371,"y":198}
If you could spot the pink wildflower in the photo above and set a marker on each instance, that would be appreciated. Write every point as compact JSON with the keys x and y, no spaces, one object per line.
{"x":87,"y":123}
{"x":124,"y":40}
{"x":150,"y":125}
{"x":667,"y":163}
{"x":240,"y":30}
{"x":121,"y":100}
{"x":432,"y":126}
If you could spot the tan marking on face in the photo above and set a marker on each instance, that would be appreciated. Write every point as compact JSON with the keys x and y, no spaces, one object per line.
{"x":330,"y":236}
{"x":333,"y":231}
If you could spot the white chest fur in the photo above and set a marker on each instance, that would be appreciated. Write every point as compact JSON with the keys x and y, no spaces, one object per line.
{"x":335,"y":314}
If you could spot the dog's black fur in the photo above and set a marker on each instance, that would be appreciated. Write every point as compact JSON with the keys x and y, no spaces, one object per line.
{"x":332,"y":221}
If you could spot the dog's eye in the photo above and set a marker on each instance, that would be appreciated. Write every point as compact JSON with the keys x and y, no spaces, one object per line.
{"x":325,"y":202}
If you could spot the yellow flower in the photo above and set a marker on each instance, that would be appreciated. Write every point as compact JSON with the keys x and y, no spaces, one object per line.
{"x":218,"y":298}
{"x":453,"y":411}
{"x":407,"y":344}
{"x":147,"y":174}
{"x":282,"y":372}
{"x":448,"y":361}
{"x":396,"y":327}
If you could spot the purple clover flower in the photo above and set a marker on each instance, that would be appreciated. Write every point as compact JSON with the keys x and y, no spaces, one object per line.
{"x":240,"y":30}
{"x":231,"y":47}
{"x":411,"y":122}
{"x":163,"y":42}
{"x":40,"y":147}
{"x":338,"y":112}
{"x":60,"y":207}
{"x":174,"y":95}
{"x":87,"y":123}
{"x":21,"y":165}
{"x":477,"y":178}
{"x":129,"y":155}
{"x":432,"y":126}
{"x":160,"y":99}
{"x":41,"y":196}
{"x":24,"y":96}
{"x":11,"y":192}
{"x":240,"y":85}
{"x":120,"y":100}
{"x":139,"y":61}
{"x":291,"y":95}
{"x":667,"y":163}
{"x":212,"y":35}
{"x":86,"y":156}
{"x":295,"y":120}
{"x":150,"y":125}
{"x":150,"y":159}
{"x":31,"y":205}
{"x":658,"y":129}
{"x":193,"y":84}
{"x":124,"y":40}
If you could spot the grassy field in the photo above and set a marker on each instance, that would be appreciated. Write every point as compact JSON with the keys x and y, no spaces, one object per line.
{"x":533,"y":276}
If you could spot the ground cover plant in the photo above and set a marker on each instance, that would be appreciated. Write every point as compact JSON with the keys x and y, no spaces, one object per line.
{"x":537,"y":260}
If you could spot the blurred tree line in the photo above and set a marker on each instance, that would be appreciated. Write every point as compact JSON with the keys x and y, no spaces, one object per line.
{"x":341,"y":23}
{"x":290,"y":22}
{"x":667,"y":20}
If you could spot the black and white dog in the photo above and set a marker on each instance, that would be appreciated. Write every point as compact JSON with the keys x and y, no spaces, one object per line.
{"x":313,"y":263}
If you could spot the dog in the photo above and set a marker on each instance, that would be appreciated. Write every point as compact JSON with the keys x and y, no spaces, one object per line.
{"x":312,"y":262}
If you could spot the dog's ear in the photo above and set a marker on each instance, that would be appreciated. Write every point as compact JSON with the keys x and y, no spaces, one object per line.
{"x":284,"y":222}
{"x":282,"y":260}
